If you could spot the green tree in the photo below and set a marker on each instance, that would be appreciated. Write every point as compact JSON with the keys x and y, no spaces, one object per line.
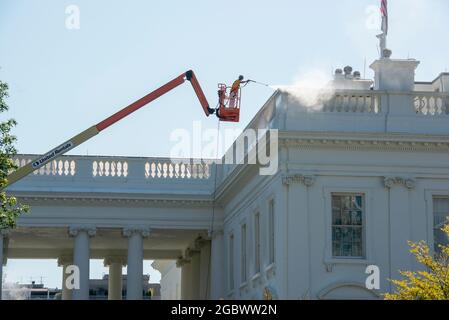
{"x":429,"y":284}
{"x":10,"y":209}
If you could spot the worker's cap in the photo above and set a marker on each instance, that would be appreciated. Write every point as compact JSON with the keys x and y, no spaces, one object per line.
{"x":241,"y":77}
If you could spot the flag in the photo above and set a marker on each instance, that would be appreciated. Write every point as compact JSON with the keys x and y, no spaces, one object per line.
{"x":384,"y":13}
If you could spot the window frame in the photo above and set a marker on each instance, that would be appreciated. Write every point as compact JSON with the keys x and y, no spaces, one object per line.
{"x":433,"y":246}
{"x":329,"y":259}
{"x":430,"y":194}
{"x":362,"y":227}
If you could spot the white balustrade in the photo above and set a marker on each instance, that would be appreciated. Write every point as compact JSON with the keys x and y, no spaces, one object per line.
{"x":167,"y":169}
{"x":109,"y":168}
{"x":119,"y":168}
{"x":353,"y":101}
{"x":56,"y":167}
{"x":431,"y":103}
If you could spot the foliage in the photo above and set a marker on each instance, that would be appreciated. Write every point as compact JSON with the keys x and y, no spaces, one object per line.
{"x":10,"y":209}
{"x":431,"y":284}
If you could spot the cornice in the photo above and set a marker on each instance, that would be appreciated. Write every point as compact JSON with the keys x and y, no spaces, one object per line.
{"x":364,"y":141}
{"x":118,"y":201}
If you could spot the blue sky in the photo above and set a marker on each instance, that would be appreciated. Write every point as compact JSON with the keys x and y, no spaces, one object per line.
{"x":64,"y":81}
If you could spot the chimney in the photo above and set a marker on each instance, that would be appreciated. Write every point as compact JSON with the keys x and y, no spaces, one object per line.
{"x":394,"y":74}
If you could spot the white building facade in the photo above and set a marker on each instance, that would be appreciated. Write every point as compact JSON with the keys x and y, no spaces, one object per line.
{"x":360,"y":172}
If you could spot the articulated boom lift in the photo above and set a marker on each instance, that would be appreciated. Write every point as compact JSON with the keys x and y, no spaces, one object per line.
{"x":96,"y":129}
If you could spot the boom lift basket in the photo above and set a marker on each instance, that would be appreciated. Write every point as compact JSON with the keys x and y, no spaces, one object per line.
{"x":229,"y":107}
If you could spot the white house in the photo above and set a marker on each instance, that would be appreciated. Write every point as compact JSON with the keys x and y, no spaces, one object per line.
{"x":360,"y":172}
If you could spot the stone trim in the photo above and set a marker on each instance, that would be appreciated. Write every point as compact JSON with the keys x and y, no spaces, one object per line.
{"x":390,"y":182}
{"x":75,"y":230}
{"x":115,"y":259}
{"x":306,"y":180}
{"x":182,"y":262}
{"x":143,"y":231}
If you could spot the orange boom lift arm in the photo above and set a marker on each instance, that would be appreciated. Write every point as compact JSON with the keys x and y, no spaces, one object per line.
{"x":96,"y":129}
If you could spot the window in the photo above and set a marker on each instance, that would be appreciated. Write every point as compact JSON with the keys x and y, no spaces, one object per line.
{"x":347,"y":225}
{"x":271,"y":231}
{"x":231,"y":262}
{"x":257,"y":242}
{"x":440,"y":214}
{"x":243,"y":249}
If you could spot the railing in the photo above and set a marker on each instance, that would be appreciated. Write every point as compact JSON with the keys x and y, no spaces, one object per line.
{"x":353,"y":101}
{"x":431,"y":103}
{"x":155,"y":169}
{"x":117,"y":167}
{"x":53,"y":168}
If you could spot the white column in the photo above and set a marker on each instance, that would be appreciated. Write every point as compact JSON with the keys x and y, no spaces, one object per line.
{"x":186,"y":277}
{"x":81,"y":257}
{"x":115,"y":283}
{"x":194,"y":255}
{"x":3,"y":234}
{"x":64,"y":262}
{"x":134,"y":278}
{"x":205,"y":268}
{"x":217,"y":268}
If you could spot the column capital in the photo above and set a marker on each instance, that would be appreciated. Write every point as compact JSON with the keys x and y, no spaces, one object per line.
{"x":306,"y":180}
{"x":142,"y":230}
{"x":200,"y":242}
{"x":115,"y":259}
{"x":191,"y":251}
{"x":182,"y":261}
{"x":408,"y":183}
{"x":212,"y":234}
{"x":76,"y":229}
{"x":65,"y":260}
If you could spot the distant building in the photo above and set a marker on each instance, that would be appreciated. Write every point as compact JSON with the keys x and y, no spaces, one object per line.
{"x":31,"y":291}
{"x":98,"y":288}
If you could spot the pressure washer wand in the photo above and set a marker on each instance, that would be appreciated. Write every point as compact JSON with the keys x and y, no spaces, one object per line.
{"x":263,"y":84}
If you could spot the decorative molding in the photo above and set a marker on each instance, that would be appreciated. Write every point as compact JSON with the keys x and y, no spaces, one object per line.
{"x":344,"y":284}
{"x":390,"y":182}
{"x":182,"y":262}
{"x":75,"y":230}
{"x":65,"y":260}
{"x":329,"y":266}
{"x":270,"y":270}
{"x":121,"y":201}
{"x":143,"y":231}
{"x":115,"y":259}
{"x":308,"y":181}
{"x":201,"y":242}
{"x":367,"y":142}
{"x":191,"y":251}
{"x":212,"y":234}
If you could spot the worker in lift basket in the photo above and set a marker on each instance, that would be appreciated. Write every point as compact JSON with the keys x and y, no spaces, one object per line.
{"x":234,"y":93}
